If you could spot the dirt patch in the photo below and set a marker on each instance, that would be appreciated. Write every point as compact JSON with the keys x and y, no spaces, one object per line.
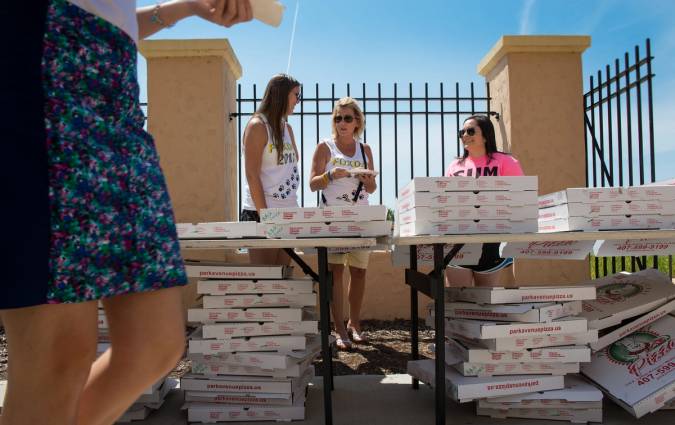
{"x":386,"y":352}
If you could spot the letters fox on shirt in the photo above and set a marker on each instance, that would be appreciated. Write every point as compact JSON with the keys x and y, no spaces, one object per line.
{"x":500,"y":164}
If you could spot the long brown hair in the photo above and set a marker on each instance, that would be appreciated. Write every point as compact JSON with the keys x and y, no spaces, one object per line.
{"x":274,"y":106}
{"x":488,"y":131}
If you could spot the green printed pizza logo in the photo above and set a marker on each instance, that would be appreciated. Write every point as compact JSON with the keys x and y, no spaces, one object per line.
{"x":639,"y":350}
{"x":618,"y":292}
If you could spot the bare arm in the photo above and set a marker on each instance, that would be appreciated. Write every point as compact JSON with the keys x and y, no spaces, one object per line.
{"x":255,"y":139}
{"x":369,"y":182}
{"x":220,"y":12}
{"x":317,"y":180}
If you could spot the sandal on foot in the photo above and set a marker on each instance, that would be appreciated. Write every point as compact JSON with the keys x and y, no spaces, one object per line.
{"x":358,"y":337}
{"x":343,"y":344}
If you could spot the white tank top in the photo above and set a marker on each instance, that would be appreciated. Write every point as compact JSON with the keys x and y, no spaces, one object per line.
{"x":121,"y":13}
{"x":342,"y":191}
{"x":280,"y":179}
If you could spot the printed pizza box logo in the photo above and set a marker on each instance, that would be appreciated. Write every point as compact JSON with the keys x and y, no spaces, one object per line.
{"x":639,"y":350}
{"x":618,"y":292}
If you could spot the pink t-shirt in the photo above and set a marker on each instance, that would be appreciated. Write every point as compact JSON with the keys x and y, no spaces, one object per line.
{"x":500,"y":165}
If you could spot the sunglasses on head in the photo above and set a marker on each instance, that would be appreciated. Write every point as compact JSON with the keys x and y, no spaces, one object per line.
{"x":347,"y":118}
{"x":469,"y":131}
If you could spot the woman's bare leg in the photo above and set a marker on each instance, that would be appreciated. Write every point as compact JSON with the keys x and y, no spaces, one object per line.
{"x":147,"y":335}
{"x":336,"y":304}
{"x":51,"y":348}
{"x":357,"y":287}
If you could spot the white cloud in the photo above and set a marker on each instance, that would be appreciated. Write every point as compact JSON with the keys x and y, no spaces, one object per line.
{"x":525,"y":24}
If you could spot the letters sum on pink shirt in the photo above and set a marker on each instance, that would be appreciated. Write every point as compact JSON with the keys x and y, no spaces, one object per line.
{"x":500,"y":165}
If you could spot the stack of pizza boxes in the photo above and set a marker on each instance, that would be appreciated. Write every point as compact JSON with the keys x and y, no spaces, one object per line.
{"x":466,"y":205}
{"x":506,"y":344}
{"x":608,"y":208}
{"x":252,"y":353}
{"x":153,"y":397}
{"x":634,"y":358}
{"x":330,"y":221}
{"x":219,"y":230}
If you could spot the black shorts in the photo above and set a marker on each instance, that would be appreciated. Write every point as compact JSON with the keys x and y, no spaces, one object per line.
{"x":249,"y":215}
{"x":490,"y":259}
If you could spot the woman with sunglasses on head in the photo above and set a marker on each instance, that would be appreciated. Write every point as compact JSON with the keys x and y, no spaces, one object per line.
{"x":481,"y":158}
{"x":271,"y":160}
{"x":339,"y":170}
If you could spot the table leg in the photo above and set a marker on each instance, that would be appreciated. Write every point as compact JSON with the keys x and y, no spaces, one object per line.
{"x":414,"y":316}
{"x":438,"y":289}
{"x":325,"y":287}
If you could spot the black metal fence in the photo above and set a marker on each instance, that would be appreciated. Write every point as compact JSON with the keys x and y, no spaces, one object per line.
{"x":619,"y":136}
{"x":412,"y":130}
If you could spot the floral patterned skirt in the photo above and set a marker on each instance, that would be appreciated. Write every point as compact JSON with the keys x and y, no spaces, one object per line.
{"x":88,"y":200}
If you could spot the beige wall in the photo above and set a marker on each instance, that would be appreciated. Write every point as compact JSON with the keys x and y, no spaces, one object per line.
{"x":536,"y":86}
{"x":191,"y":92}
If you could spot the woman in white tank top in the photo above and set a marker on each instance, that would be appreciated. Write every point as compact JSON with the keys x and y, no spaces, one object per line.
{"x":271,"y":160}
{"x":333,"y":169}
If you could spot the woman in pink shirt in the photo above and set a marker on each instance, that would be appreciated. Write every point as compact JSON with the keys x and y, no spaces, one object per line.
{"x":481,"y":158}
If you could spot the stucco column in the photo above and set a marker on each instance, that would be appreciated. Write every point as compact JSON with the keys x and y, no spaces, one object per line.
{"x":536,"y":85}
{"x":191,"y":93}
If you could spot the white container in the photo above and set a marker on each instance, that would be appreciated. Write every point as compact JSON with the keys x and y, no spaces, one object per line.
{"x":450,"y":184}
{"x":229,"y":287}
{"x":487,"y":330}
{"x":552,"y":414}
{"x":216,"y":367}
{"x":321,"y":230}
{"x":232,"y":330}
{"x":219,"y":270}
{"x":471,"y":212}
{"x":553,"y":250}
{"x":577,"y":390}
{"x":607,"y":222}
{"x":259,"y":300}
{"x":463,"y":389}
{"x":220,"y":315}
{"x":634,"y":247}
{"x":467,"y":352}
{"x":449,"y":199}
{"x":218,"y":412}
{"x":531,"y":313}
{"x":321,"y":215}
{"x":505,"y":369}
{"x":260,"y":399}
{"x":219,"y":230}
{"x":534,"y":341}
{"x":608,"y":194}
{"x":524,"y":294}
{"x":463,"y":227}
{"x":245,"y":384}
{"x":469,"y":254}
{"x":595,"y":209}
{"x":638,"y":371}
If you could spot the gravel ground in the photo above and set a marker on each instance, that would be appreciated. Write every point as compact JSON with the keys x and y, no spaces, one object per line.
{"x":386,"y":352}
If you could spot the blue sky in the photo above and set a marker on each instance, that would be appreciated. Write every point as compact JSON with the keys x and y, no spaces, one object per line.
{"x":387,"y":41}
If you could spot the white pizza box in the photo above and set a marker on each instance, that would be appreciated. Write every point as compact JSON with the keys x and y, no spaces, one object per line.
{"x":551,"y":413}
{"x":523,"y":294}
{"x":467,"y":352}
{"x":220,"y":270}
{"x":505,"y":369}
{"x":638,"y":371}
{"x":463,"y":227}
{"x":468,"y":212}
{"x":282,"y":344}
{"x":221,"y":315}
{"x":608,"y":222}
{"x":469,"y":254}
{"x":218,"y":412}
{"x":629,"y":326}
{"x":322,"y":230}
{"x":624,"y":295}
{"x":245,"y":384}
{"x":634,"y":247}
{"x":451,"y":184}
{"x":259,"y":300}
{"x":281,"y":286}
{"x":577,"y":390}
{"x":322,"y":215}
{"x":264,"y":360}
{"x":487,"y":330}
{"x":529,"y":312}
{"x":160,"y":393}
{"x":218,"y":230}
{"x":552,"y":250}
{"x":531,"y":341}
{"x":607,"y":208}
{"x":466,"y":388}
{"x":608,"y":194}
{"x":449,"y":199}
{"x":269,"y":12}
{"x":136,"y":412}
{"x":208,"y":366}
{"x":541,"y":404}
{"x":231,"y":330}
{"x":264,"y":399}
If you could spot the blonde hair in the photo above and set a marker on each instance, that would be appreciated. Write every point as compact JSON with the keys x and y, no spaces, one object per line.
{"x":349,"y":102}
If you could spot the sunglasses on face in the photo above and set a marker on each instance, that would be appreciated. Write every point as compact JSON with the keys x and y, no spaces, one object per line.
{"x":347,"y":118}
{"x":298,"y":96}
{"x":468,"y":131}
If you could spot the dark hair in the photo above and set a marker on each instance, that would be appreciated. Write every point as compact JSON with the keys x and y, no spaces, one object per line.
{"x":488,"y":131}
{"x":274,"y":105}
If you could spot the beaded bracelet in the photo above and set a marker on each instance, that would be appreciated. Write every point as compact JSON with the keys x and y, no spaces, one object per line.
{"x":156,"y":19}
